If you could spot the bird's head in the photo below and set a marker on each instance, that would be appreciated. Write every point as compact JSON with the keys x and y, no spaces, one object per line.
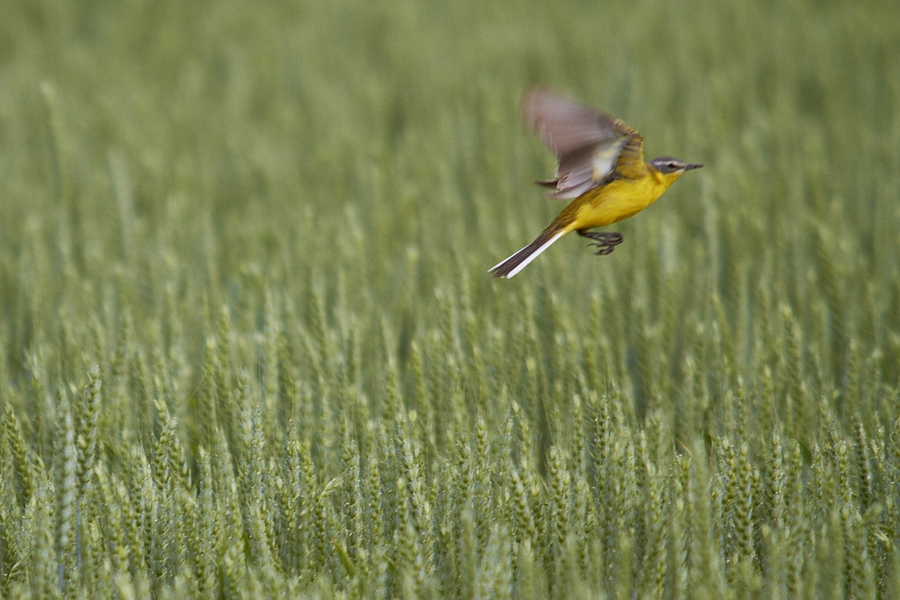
{"x":672,"y":168}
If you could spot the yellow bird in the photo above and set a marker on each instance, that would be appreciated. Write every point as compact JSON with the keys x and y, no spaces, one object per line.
{"x":600,"y":168}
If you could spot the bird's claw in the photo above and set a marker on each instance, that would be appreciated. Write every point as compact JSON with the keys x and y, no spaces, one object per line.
{"x":603,"y":249}
{"x":605,"y":241}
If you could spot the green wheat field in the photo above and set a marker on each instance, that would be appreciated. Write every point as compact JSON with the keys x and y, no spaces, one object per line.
{"x":249,"y":347}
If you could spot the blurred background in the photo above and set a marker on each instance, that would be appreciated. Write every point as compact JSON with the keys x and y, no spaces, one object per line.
{"x":382,"y":143}
{"x":162,"y":154}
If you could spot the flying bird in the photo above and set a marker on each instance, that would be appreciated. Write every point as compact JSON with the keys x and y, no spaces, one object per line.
{"x":600,"y":168}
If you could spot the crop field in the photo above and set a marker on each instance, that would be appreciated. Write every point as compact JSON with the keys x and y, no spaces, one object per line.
{"x":249,"y":347}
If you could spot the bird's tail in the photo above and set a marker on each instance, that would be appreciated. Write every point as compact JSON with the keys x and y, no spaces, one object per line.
{"x":518,"y":261}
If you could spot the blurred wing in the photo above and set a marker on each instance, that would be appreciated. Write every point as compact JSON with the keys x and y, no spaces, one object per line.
{"x":588,"y":144}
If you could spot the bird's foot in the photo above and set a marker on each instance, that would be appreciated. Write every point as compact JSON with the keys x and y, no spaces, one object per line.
{"x":604,"y":241}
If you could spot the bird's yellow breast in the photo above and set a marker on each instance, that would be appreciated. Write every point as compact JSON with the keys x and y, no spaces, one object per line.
{"x":617,"y":200}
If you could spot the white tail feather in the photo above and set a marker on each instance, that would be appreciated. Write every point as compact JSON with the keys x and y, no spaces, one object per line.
{"x":528,"y":258}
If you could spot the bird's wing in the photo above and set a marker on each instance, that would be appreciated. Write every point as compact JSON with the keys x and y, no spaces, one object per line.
{"x":589,"y":145}
{"x":630,"y":162}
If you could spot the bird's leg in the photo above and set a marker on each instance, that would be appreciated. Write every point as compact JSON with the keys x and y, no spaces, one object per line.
{"x":605,"y":241}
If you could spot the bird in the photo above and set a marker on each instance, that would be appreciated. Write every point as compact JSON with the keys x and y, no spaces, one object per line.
{"x":600,"y":168}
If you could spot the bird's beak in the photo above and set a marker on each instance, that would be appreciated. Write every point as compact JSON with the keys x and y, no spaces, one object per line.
{"x":692,"y":166}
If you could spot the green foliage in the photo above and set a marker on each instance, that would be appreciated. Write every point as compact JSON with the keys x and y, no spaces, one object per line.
{"x":249,"y":348}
